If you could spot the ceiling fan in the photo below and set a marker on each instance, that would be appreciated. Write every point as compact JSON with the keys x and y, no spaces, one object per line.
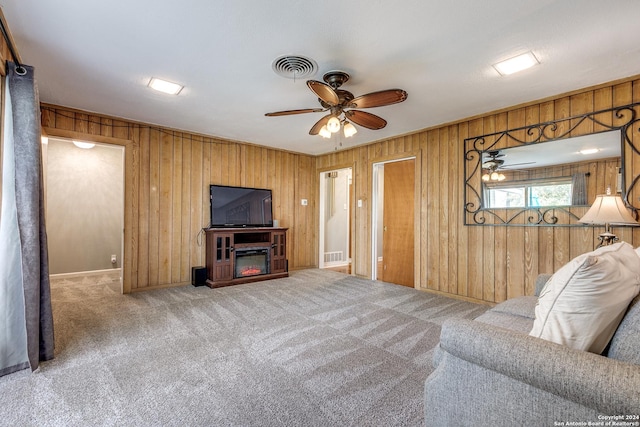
{"x":344,"y":107}
{"x":494,"y":164}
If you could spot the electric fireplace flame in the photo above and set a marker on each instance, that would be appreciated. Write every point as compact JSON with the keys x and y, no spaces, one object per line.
{"x":251,"y":271}
{"x":251,"y":263}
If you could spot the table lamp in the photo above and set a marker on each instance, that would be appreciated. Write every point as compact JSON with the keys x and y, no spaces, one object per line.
{"x":606,"y":210}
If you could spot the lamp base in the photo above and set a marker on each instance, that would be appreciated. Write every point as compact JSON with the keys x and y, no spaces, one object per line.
{"x":607,"y":238}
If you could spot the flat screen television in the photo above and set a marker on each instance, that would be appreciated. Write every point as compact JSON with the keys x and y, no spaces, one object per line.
{"x":240,"y":207}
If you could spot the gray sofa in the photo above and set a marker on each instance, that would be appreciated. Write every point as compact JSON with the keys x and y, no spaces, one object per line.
{"x":490,"y":372}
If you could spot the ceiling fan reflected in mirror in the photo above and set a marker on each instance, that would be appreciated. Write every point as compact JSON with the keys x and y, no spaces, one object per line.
{"x":343,"y":107}
{"x":493,"y":163}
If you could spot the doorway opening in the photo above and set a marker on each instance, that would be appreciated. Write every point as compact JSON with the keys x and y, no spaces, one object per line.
{"x":335,"y":219}
{"x":84,"y":193}
{"x":393,"y":219}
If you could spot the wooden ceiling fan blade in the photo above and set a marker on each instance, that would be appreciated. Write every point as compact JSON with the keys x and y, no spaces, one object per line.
{"x":290,"y":112}
{"x":368,"y":120}
{"x":323,"y":121}
{"x":324,"y":92}
{"x":379,"y":99}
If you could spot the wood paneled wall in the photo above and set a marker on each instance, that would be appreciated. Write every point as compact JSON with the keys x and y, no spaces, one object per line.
{"x":480,"y":262}
{"x":167,"y":181}
{"x":169,"y":174}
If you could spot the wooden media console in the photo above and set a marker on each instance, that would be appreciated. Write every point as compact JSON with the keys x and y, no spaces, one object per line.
{"x":243,"y":255}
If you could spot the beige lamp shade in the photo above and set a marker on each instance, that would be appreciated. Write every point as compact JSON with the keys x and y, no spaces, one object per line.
{"x":608,"y":209}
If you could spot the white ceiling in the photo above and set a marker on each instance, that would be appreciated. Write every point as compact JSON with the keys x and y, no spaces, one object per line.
{"x":99,"y":56}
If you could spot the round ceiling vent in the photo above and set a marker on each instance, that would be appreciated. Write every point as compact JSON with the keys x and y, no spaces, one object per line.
{"x":294,"y":66}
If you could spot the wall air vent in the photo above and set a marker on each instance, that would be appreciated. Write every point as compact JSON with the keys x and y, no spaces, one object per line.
{"x":294,"y":66}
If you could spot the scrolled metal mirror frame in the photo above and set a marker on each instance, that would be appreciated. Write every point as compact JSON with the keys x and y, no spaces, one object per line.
{"x":623,"y":120}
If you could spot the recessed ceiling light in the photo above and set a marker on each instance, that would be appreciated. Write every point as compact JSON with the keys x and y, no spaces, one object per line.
{"x":82,"y":144}
{"x":589,"y":151}
{"x":165,"y":86}
{"x":517,"y":63}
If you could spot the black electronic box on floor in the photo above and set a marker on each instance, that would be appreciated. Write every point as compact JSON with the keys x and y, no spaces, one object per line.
{"x":198,"y":276}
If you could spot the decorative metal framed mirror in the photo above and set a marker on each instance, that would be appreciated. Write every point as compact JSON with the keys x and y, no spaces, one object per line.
{"x":543,"y":175}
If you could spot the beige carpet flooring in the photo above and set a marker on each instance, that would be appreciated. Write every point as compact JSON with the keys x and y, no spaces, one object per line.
{"x":318,"y":348}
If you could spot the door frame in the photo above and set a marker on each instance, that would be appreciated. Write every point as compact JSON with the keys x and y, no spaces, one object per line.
{"x":321,"y":206}
{"x":374,"y":168}
{"x":130,"y":245}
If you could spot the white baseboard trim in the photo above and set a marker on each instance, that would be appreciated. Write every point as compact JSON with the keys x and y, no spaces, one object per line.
{"x":86,"y":273}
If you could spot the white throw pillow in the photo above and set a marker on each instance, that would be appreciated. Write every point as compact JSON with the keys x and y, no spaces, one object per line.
{"x":583,"y":303}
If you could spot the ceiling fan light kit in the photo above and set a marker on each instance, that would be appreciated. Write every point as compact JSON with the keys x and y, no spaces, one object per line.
{"x":349,"y":129}
{"x":333,"y":125}
{"x":342,"y":105}
{"x":493,"y":176}
{"x":324,"y":132}
{"x":493,"y":164}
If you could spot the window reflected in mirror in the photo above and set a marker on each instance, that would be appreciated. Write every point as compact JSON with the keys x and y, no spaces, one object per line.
{"x":561,"y":173}
{"x":530,"y":194}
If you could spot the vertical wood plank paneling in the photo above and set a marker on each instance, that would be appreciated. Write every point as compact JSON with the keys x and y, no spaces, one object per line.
{"x":154,"y":207}
{"x":198,"y":203}
{"x":362,"y":179}
{"x":176,"y":209}
{"x":488,"y":238}
{"x":143,"y":210}
{"x":95,"y":127}
{"x":432,"y":214}
{"x":444,"y":211}
{"x":48,"y":117}
{"x":106,"y":127}
{"x":131,"y":232}
{"x":187,"y":235}
{"x":476,"y":253}
{"x":289,"y":197}
{"x":65,"y":120}
{"x":165,"y":208}
{"x":455,"y":209}
{"x":81,"y":123}
{"x":302,"y":191}
{"x":500,"y":238}
{"x":488,"y":263}
{"x":207,"y":149}
{"x":171,"y":176}
{"x":462,"y":287}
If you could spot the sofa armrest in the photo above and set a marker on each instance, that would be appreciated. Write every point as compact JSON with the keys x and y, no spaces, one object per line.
{"x":609,"y":386}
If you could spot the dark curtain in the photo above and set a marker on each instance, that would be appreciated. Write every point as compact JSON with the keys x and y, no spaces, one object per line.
{"x":24,"y":259}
